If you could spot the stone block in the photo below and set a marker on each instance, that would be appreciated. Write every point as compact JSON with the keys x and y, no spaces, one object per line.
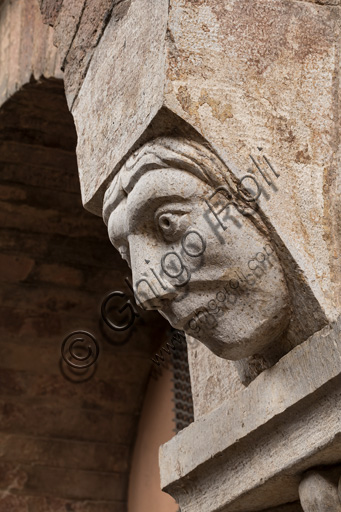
{"x":263,"y":439}
{"x":126,"y":70}
{"x":261,"y":74}
{"x":91,"y":25}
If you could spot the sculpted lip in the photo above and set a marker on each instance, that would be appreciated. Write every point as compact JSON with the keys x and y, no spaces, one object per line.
{"x":167,"y":311}
{"x":223,"y":299}
{"x":194,"y":274}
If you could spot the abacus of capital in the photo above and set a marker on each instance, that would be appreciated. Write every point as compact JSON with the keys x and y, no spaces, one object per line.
{"x":174,"y":101}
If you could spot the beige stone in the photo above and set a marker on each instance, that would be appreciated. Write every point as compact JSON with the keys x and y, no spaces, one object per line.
{"x":318,"y":492}
{"x":255,"y":86}
{"x":122,"y":92}
{"x":245,"y":76}
{"x":24,"y":53}
{"x":261,"y":74}
{"x":249,"y":453}
{"x":214,"y":380}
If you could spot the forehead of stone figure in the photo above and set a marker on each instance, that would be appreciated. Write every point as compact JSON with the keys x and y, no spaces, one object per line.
{"x":155,"y":189}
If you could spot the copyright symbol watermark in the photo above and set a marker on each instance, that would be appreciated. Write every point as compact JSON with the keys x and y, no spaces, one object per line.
{"x":80,"y":350}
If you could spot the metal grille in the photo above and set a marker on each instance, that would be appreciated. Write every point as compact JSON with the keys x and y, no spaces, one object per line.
{"x":182,"y":392}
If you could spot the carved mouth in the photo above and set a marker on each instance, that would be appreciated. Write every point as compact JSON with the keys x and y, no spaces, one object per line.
{"x":180,"y":322}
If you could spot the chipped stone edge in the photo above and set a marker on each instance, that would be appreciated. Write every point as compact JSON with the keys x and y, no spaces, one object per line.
{"x":297,"y":375}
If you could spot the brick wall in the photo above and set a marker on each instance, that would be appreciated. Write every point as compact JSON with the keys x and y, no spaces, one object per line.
{"x":63,"y":446}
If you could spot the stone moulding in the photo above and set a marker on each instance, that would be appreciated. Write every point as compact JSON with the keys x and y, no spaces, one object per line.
{"x":249,"y":454}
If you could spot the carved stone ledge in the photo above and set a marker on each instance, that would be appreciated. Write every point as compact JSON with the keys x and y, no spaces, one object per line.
{"x":250,"y":454}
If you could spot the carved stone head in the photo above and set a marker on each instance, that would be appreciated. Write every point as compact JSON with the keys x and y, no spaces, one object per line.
{"x":224,"y":286}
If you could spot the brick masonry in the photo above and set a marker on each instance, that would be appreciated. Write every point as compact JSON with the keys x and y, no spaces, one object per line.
{"x":63,"y":446}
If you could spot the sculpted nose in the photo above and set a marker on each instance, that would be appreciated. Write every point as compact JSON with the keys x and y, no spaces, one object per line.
{"x":151,"y":289}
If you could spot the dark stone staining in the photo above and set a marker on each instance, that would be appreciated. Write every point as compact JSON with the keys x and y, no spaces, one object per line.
{"x":50,"y":10}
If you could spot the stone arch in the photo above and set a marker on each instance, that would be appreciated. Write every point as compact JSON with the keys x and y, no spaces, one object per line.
{"x":27,"y":50}
{"x":63,"y":444}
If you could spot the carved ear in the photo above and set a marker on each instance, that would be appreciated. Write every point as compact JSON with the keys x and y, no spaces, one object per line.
{"x":318,"y":493}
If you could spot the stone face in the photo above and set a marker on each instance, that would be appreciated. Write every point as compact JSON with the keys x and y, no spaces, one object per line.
{"x":231,"y":285}
{"x":255,"y":79}
{"x":142,"y":206}
{"x":257,"y":82}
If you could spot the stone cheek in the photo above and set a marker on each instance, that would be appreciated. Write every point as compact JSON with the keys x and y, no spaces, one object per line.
{"x":222,"y":283}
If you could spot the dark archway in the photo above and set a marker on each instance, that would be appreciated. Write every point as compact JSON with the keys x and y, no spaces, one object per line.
{"x":64,"y":446}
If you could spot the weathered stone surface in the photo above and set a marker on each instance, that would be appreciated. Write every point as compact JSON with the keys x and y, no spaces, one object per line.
{"x":214,"y":380}
{"x":132,"y":50}
{"x":26,"y":47}
{"x":90,"y":27}
{"x":262,"y":74}
{"x":67,"y":25}
{"x":285,"y":422}
{"x":318,"y":492}
{"x":49,"y":10}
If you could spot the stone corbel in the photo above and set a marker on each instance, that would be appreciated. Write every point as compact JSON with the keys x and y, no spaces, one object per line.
{"x":243,"y":83}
